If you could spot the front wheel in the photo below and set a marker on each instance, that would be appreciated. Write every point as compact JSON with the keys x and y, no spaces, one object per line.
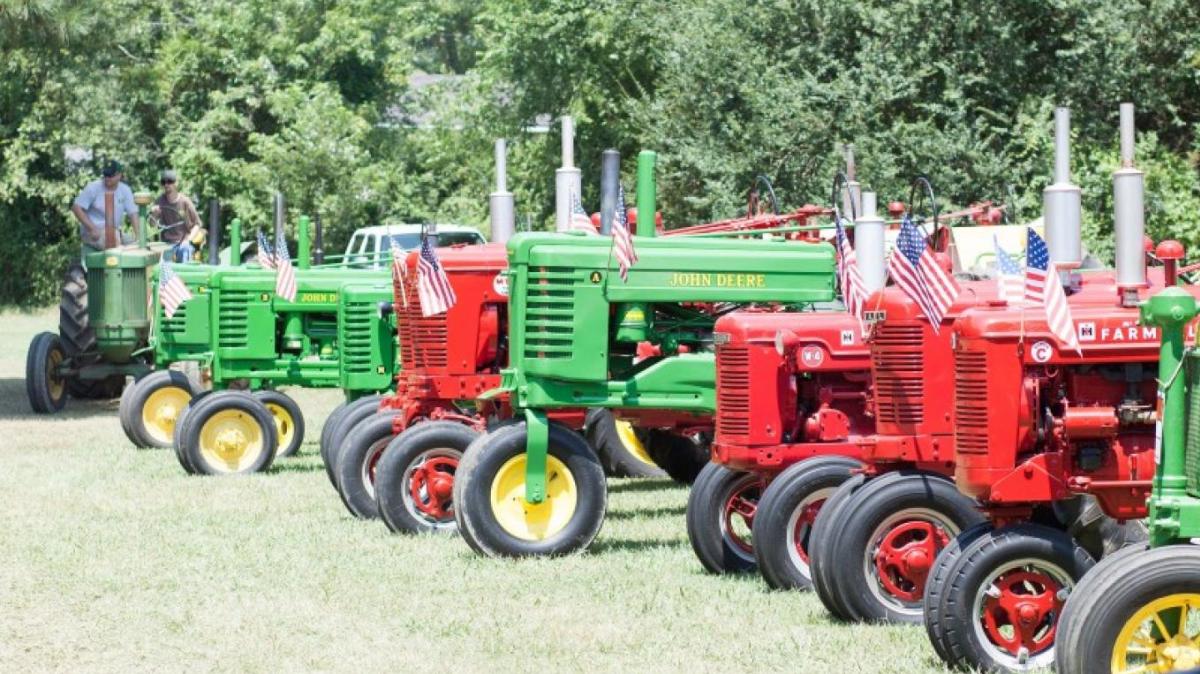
{"x":414,"y":481}
{"x":152,"y":406}
{"x":338,"y":426}
{"x":620,"y":446}
{"x":289,"y":421}
{"x":1131,"y":614}
{"x":45,"y":387}
{"x":489,"y":495}
{"x":225,"y":433}
{"x":720,"y":518}
{"x":356,"y":462}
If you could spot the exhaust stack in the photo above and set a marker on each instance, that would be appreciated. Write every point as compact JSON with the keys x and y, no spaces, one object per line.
{"x":869,"y":244}
{"x":852,"y":198}
{"x":1129,"y":224}
{"x":501,"y":205}
{"x":610,"y":180}
{"x":1061,"y":208}
{"x":568,"y":181}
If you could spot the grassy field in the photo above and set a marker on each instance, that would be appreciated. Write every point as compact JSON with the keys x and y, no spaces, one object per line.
{"x":111,"y":559}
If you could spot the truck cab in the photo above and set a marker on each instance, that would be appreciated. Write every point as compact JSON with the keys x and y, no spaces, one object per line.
{"x":370,"y":246}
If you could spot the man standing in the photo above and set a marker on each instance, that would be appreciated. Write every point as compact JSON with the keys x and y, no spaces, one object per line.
{"x":88,"y":209}
{"x":177,"y":216}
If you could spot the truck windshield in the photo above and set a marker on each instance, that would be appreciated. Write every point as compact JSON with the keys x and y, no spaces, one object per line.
{"x":410,"y":241}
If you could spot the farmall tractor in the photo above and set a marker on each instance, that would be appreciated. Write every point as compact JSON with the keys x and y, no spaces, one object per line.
{"x":1056,"y":444}
{"x":1136,"y":610}
{"x":580,"y":336}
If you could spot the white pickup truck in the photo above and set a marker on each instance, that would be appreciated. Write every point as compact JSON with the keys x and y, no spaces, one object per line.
{"x":369,"y":245}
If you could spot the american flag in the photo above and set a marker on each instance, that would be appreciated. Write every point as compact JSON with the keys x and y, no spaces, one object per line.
{"x":622,"y":237}
{"x":172,"y":291}
{"x":914,"y":269}
{"x":285,"y":275}
{"x":1043,"y":287}
{"x":399,"y":273}
{"x":854,"y":291}
{"x":1010,"y":284}
{"x":434,"y":289}
{"x":580,"y":222}
{"x":265,"y":259}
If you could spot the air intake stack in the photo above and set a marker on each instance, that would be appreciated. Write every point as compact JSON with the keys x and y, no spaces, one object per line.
{"x":500,"y":203}
{"x":568,"y":180}
{"x":869,"y":244}
{"x":1129,"y":224}
{"x":1062,"y":211}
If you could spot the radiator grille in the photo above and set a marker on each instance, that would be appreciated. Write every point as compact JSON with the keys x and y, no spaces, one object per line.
{"x":358,"y":333}
{"x":898,"y":364}
{"x":733,"y":393}
{"x":95,"y":294}
{"x":133,"y":292}
{"x":424,"y":340}
{"x":550,"y":313}
{"x":971,"y":402}
{"x":1192,"y":451}
{"x":175,"y":325}
{"x":233,"y":320}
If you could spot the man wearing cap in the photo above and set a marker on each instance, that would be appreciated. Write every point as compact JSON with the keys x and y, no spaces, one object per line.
{"x":177,"y":216}
{"x":88,"y":208}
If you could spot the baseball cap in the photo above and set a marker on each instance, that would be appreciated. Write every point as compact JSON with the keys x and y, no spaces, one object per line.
{"x":111,"y":168}
{"x":168,"y":176}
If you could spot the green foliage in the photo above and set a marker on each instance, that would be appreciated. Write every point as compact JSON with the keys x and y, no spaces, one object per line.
{"x":314,"y":98}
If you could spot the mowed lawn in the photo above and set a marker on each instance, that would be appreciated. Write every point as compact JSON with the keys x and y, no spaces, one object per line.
{"x":112,"y":559}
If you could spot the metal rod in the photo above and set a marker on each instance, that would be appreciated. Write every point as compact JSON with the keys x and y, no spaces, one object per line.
{"x":319,"y":240}
{"x":279,"y":217}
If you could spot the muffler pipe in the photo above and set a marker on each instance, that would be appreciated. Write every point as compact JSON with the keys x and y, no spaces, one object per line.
{"x":501,"y":204}
{"x":279,"y":215}
{"x":1061,"y":201}
{"x":869,"y":244}
{"x":214,"y":232}
{"x":1129,"y":216}
{"x":610,"y":182}
{"x":568,"y":180}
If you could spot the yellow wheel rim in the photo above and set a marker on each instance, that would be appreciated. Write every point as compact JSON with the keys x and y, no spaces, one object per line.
{"x":285,"y":426}
{"x":231,"y":441}
{"x":54,"y":383}
{"x":1163,"y":636}
{"x":533,"y":521}
{"x":161,"y":410}
{"x":633,"y":444}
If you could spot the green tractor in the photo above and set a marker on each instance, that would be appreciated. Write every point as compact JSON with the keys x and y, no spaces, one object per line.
{"x":1138,"y":610}
{"x":581,"y":337}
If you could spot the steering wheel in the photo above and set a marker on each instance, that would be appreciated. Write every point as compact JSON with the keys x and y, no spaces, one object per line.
{"x":754,"y":205}
{"x":921,"y":196}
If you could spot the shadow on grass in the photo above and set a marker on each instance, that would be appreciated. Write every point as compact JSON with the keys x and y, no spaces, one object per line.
{"x":14,"y":404}
{"x":634,"y":545}
{"x":295,"y":465}
{"x":666,"y":511}
{"x":639,"y":485}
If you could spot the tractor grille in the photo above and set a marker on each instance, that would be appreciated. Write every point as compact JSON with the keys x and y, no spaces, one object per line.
{"x":550,"y":313}
{"x":358,"y":324}
{"x":971,"y":402}
{"x":95,"y":294}
{"x":232,"y":319}
{"x":733,"y":393}
{"x":133,"y":292}
{"x":424,"y":340}
{"x":898,"y":365}
{"x":175,"y":325}
{"x":1192,"y":450}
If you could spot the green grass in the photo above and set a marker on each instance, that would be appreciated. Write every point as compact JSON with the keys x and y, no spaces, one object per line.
{"x":111,"y":559}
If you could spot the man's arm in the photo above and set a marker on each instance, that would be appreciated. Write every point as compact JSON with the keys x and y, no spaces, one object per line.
{"x":131,"y":208}
{"x":193,"y":217}
{"x":85,"y":197}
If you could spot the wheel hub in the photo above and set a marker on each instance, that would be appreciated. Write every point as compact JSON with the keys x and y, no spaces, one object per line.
{"x":231,"y":441}
{"x":804,"y":524}
{"x":740,"y":508}
{"x":1160,"y":637}
{"x":1021,"y":611}
{"x":432,"y":485}
{"x":905,"y":556}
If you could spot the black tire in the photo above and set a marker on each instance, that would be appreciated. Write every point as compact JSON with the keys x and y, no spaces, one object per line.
{"x":96,"y":389}
{"x":329,"y":423}
{"x":356,"y":462}
{"x":1056,"y":561}
{"x":1098,"y":533}
{"x":169,"y":392}
{"x":289,"y":421}
{"x":912,"y":512}
{"x":570,"y":460}
{"x":1111,"y":593}
{"x":254,"y":424}
{"x":613,"y":448}
{"x":47,"y":392}
{"x":122,"y":413}
{"x":414,"y":480}
{"x":79,"y":340}
{"x":939,"y":576}
{"x":681,"y":457}
{"x":794,"y":497}
{"x":351,"y":414}
{"x":719,"y":544}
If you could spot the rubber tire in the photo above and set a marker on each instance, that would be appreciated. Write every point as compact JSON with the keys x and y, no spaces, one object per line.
{"x":705,"y":515}
{"x":187,"y":433}
{"x":122,"y":413}
{"x":283,"y":400}
{"x":1099,"y":534}
{"x":682,"y":458}
{"x":600,"y":429}
{"x":868,"y":508}
{"x":37,"y":374}
{"x":366,"y":440}
{"x":979,"y":559}
{"x":472,"y":493}
{"x":825,"y":530}
{"x":329,"y":423}
{"x":134,"y":400}
{"x":351,"y":414}
{"x":401,"y":452}
{"x":1129,"y":571}
{"x":73,"y":324}
{"x":785,"y":493}
{"x":96,"y":389}
{"x":935,"y":587}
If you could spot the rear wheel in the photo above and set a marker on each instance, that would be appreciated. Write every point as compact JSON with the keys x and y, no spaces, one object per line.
{"x":356,"y":463}
{"x":489,"y":495}
{"x":720,"y":518}
{"x":228,"y":432}
{"x":414,"y":481}
{"x":680,"y":456}
{"x":73,"y":326}
{"x":786,"y":515}
{"x":350,"y":415}
{"x":289,"y":421}
{"x":153,"y":405}
{"x":46,"y":389}
{"x":620,"y":447}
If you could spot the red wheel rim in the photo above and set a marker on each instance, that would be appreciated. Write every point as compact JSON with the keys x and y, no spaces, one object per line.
{"x":741,"y":505}
{"x":803,"y":527}
{"x":431,"y":486}
{"x":1020,"y":611}
{"x":906,"y":554}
